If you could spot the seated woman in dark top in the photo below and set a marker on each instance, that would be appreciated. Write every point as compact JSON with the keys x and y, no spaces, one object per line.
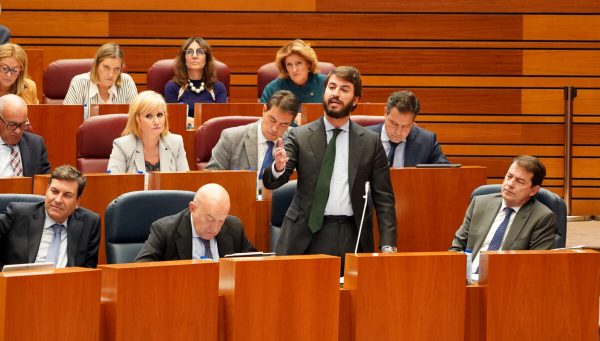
{"x":195,"y":78}
{"x":297,"y":64}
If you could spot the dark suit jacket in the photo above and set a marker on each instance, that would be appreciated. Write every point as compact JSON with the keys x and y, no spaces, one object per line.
{"x":4,"y":34}
{"x":532,"y":228}
{"x":171,"y":239}
{"x":421,"y":146}
{"x":21,"y":230}
{"x":305,"y":147}
{"x":33,"y":155}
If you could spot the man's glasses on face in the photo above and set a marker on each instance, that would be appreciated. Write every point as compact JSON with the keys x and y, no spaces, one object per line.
{"x":12,"y":126}
{"x":13,"y":71}
{"x":198,"y":51}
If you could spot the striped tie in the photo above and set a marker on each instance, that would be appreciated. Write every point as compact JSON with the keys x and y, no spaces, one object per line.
{"x":15,"y":160}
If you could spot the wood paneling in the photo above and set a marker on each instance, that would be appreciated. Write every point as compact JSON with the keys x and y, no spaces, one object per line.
{"x":56,"y":24}
{"x":564,"y":27}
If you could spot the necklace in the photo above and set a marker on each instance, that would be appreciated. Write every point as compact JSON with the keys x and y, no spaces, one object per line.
{"x":195,"y":89}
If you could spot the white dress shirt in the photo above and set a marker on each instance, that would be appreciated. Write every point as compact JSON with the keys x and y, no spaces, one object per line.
{"x":5,"y":167}
{"x":198,"y":250}
{"x":488,"y":239}
{"x":47,"y":236}
{"x":399,"y":154}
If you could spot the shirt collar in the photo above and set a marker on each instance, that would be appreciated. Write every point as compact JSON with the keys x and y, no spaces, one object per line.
{"x":49,"y":221}
{"x":329,"y":126}
{"x":261,"y":137}
{"x":384,"y":135}
{"x":194,"y":233}
{"x":95,"y":92}
{"x":516,"y":208}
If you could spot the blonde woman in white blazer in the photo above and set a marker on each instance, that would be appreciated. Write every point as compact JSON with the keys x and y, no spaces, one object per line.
{"x":146,"y":143}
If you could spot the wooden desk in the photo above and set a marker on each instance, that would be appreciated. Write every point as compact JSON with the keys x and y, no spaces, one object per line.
{"x":241,"y":186}
{"x":406,"y":296}
{"x":100,"y":190}
{"x":540,"y":295}
{"x":174,"y":300}
{"x":63,"y":304}
{"x":431,"y":204}
{"x":281,"y":298}
{"x":57,"y":124}
{"x":16,"y":184}
{"x":205,"y":111}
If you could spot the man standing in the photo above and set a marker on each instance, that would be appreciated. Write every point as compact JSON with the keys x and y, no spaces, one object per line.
{"x":334,"y":159}
{"x":21,"y":153}
{"x":512,"y":219}
{"x":203,"y":230}
{"x":56,"y":231}
{"x":405,"y":143}
{"x":249,"y":146}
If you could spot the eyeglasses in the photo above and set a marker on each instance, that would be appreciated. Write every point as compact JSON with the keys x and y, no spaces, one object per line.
{"x":12,"y":126}
{"x":199,"y":52}
{"x":6,"y":69}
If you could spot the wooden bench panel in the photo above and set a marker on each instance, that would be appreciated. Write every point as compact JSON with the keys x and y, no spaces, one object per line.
{"x":461,"y":6}
{"x":563,"y":27}
{"x":452,"y":150}
{"x":52,"y":24}
{"x":497,"y":166}
{"x":500,"y":133}
{"x":568,"y":63}
{"x":174,"y":5}
{"x":586,"y":134}
{"x":319,"y":25}
{"x":587,"y":102}
{"x":585,"y":207}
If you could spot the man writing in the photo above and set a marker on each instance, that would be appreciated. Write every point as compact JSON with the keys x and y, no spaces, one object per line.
{"x":21,"y":153}
{"x":56,"y":231}
{"x":334,"y":158}
{"x":203,"y":230}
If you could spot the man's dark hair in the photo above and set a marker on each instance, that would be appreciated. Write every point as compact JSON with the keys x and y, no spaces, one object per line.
{"x":69,"y":173}
{"x":350,"y":74}
{"x":286,"y":101}
{"x":404,"y":101}
{"x":532,"y":165}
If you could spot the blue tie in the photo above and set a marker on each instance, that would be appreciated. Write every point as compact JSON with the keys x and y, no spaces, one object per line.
{"x":499,"y":235}
{"x":207,"y":251}
{"x":54,"y":248}
{"x":268,"y":160}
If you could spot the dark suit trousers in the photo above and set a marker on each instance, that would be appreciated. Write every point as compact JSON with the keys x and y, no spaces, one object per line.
{"x":336,"y":237}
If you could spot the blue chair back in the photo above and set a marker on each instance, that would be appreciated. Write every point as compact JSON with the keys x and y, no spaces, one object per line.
{"x":555,"y":203}
{"x":281,"y":201}
{"x":128,"y":219}
{"x":5,"y":199}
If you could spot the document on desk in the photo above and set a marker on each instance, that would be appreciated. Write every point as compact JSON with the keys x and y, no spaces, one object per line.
{"x":250,"y":254}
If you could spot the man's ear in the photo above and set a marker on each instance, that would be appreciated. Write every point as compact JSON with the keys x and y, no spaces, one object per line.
{"x":534,"y":190}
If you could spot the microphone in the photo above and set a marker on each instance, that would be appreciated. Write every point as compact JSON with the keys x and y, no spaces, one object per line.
{"x":362,"y":219}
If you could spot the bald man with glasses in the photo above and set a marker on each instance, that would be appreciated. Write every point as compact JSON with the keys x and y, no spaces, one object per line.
{"x":21,"y":153}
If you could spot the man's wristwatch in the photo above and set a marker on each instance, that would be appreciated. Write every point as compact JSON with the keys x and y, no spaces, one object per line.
{"x":389,"y":249}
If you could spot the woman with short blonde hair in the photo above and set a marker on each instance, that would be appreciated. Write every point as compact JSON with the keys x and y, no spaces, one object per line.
{"x":146,"y":143}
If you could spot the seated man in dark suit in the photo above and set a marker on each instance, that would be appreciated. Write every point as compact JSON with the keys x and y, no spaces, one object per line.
{"x":405,"y":143}
{"x":56,"y":231}
{"x":203,"y":230}
{"x":21,"y":153}
{"x":490,"y":223}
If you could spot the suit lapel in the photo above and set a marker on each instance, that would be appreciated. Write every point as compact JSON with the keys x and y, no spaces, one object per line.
{"x":183,"y":240}
{"x":224,"y":242}
{"x":166,"y":160}
{"x":485,"y":224}
{"x":139,"y":155}
{"x":74,"y":231}
{"x":36,"y":228}
{"x":410,"y":148}
{"x":251,"y":145}
{"x":25,"y":154}
{"x":317,"y":138}
{"x":517,"y":225}
{"x":357,"y":146}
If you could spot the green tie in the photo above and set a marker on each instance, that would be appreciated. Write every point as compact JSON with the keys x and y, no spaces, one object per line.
{"x":315,"y":219}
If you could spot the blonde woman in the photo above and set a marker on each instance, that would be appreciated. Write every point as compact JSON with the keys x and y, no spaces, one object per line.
{"x":297,"y":64}
{"x":13,"y":74}
{"x":105,"y":83}
{"x":146,"y":143}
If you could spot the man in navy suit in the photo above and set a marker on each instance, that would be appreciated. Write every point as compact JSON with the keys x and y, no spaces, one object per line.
{"x":56,"y":231}
{"x":21,"y":153}
{"x":405,"y":143}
